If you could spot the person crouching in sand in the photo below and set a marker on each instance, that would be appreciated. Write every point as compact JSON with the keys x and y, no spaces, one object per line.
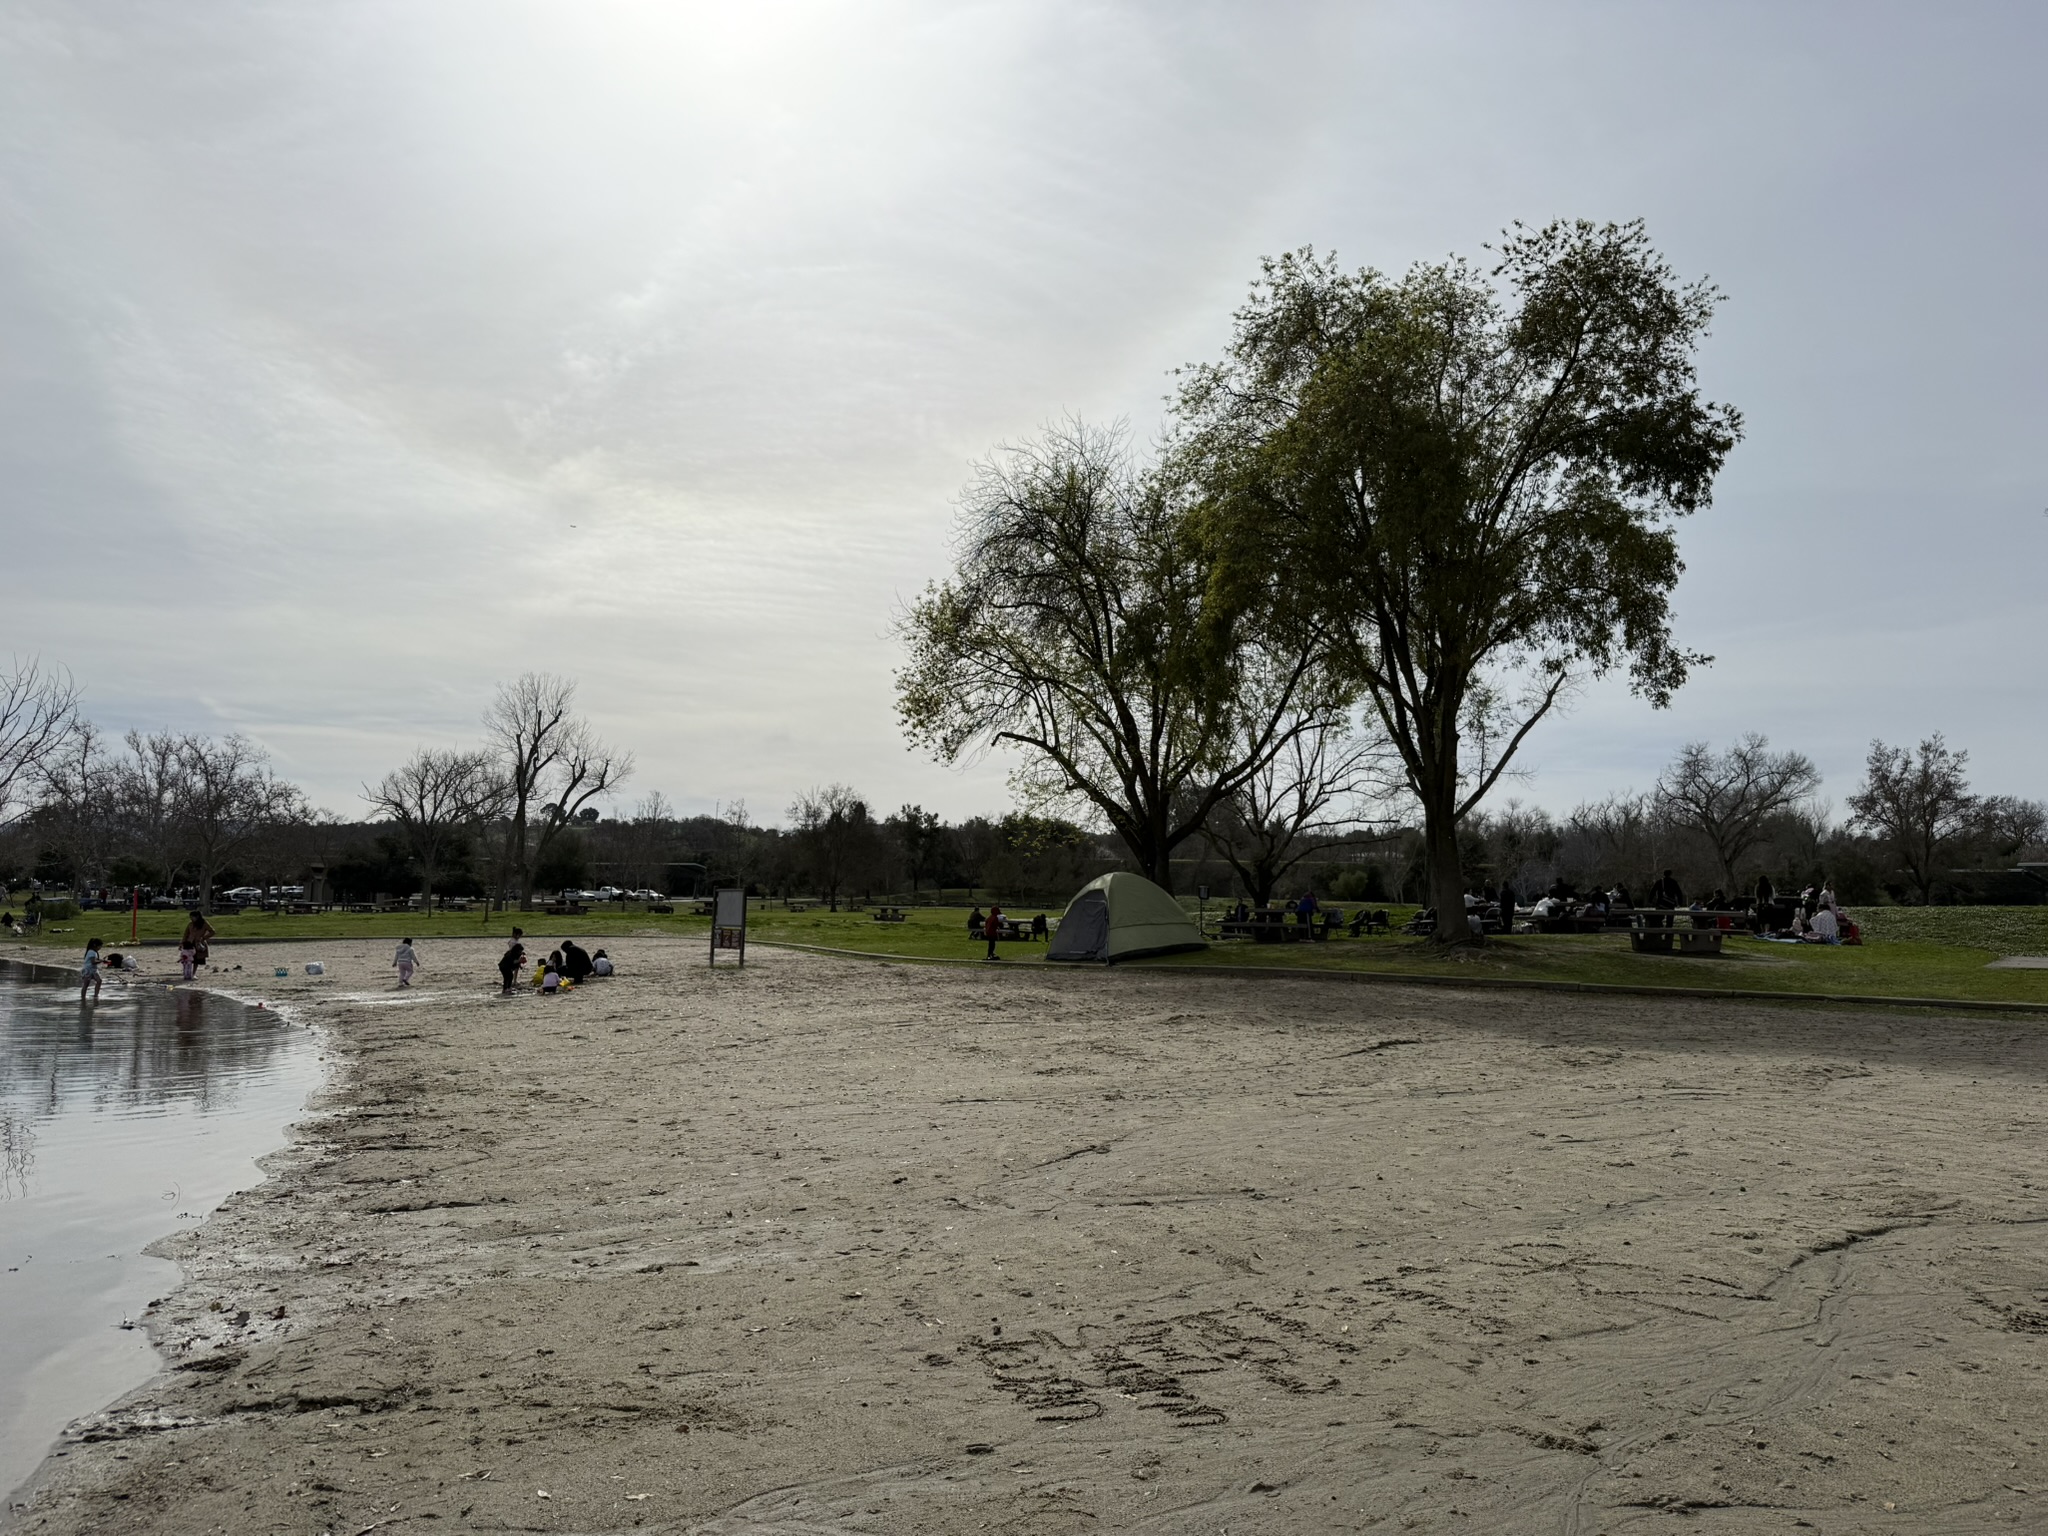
{"x":192,"y":951}
{"x":407,"y":960}
{"x":511,"y":963}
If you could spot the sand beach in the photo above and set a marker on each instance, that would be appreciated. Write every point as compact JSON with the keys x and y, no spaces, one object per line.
{"x":842,"y":1246}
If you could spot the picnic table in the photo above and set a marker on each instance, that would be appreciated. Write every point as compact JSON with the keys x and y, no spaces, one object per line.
{"x":1681,"y":930}
{"x":1270,"y":925}
{"x":889,"y":914}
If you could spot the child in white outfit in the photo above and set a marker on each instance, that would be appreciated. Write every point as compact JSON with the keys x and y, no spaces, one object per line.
{"x":407,"y":960}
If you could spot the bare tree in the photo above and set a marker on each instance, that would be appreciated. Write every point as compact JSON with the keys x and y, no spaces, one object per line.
{"x":2009,"y":826}
{"x":229,"y":799}
{"x":1728,"y":798}
{"x":1301,"y":800}
{"x":1921,"y":807}
{"x":38,"y":710}
{"x":150,"y":788}
{"x":437,"y":798}
{"x":78,"y":785}
{"x":838,"y":837}
{"x":1614,"y":841}
{"x":553,"y":765}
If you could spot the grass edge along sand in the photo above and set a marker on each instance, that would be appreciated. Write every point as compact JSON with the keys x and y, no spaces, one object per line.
{"x":1938,"y":954}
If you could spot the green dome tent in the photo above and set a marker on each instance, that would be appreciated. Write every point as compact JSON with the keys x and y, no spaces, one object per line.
{"x":1119,"y":917}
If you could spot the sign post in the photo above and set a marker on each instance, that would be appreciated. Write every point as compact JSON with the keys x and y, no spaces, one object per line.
{"x":729,"y":922}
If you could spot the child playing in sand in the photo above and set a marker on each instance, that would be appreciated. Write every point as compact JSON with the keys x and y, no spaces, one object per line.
{"x":89,"y":971}
{"x":407,"y":960}
{"x":550,"y":977}
{"x":509,"y":964}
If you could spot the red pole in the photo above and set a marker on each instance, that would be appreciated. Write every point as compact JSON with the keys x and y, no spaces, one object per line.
{"x":134,"y":912}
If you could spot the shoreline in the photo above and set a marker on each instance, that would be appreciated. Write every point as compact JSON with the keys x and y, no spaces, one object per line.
{"x":718,"y":1251}
{"x":174,"y":1238}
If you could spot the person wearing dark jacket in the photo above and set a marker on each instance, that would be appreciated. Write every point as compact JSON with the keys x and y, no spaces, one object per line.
{"x":1666,"y":896}
{"x":512,"y":962}
{"x":575,"y":961}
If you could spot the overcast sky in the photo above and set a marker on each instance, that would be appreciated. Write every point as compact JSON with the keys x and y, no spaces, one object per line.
{"x":358,"y":356}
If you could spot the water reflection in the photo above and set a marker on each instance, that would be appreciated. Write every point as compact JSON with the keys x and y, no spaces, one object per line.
{"x":137,"y":1049}
{"x":121,"y":1121}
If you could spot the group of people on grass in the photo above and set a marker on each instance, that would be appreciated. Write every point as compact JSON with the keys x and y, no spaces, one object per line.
{"x":568,"y":966}
{"x":992,"y":925}
{"x":1813,"y":917}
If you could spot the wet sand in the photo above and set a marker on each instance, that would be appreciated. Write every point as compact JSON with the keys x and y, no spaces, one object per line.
{"x":834,"y":1246}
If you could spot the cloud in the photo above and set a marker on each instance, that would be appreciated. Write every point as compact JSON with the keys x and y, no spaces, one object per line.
{"x":364,"y":356}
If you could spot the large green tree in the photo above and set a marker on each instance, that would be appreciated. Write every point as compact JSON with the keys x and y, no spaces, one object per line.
{"x":1471,"y":477}
{"x":1084,"y":626}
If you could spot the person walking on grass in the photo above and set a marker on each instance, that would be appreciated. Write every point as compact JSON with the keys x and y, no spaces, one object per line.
{"x":993,"y":928}
{"x":89,"y":971}
{"x":407,"y":960}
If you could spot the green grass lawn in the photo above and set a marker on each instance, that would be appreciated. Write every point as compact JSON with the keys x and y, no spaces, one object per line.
{"x":1899,"y":967}
{"x":1912,"y":952}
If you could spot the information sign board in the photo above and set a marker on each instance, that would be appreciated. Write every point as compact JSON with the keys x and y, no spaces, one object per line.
{"x":729,"y":922}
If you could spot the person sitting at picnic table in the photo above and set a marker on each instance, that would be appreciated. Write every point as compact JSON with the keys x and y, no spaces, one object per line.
{"x":1619,"y":896}
{"x":1547,"y":908}
{"x":1305,"y":909}
{"x":1040,"y":929}
{"x":975,"y":922}
{"x":1596,"y":906}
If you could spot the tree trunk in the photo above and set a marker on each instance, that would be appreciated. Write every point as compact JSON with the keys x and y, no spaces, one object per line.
{"x":1440,"y":841}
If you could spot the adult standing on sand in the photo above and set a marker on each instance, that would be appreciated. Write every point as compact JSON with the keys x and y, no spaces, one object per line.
{"x":192,"y":946}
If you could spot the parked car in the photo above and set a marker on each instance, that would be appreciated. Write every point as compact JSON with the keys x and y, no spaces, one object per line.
{"x":243,"y":894}
{"x":645,"y":896}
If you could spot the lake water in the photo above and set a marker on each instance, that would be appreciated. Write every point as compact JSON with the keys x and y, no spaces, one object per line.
{"x":120,"y":1122}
